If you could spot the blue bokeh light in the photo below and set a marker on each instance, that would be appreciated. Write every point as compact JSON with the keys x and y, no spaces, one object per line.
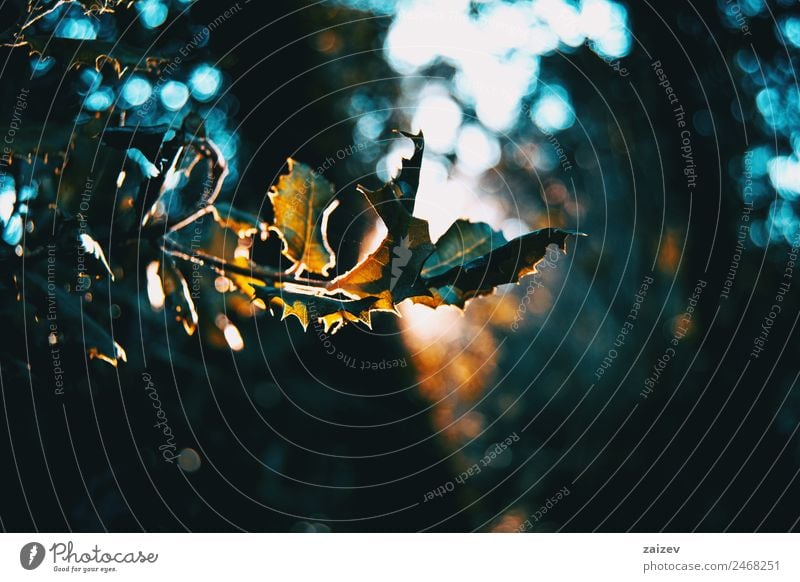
{"x":553,"y":111}
{"x":152,"y":13}
{"x":147,"y":167}
{"x":791,"y":30}
{"x":137,"y":91}
{"x":13,"y":231}
{"x":40,"y":65}
{"x":29,"y":191}
{"x":90,"y":80}
{"x":99,"y":100}
{"x":8,"y":198}
{"x":205,"y":82}
{"x":76,"y":28}
{"x":174,"y":95}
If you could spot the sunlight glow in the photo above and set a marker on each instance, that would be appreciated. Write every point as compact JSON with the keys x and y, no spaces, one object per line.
{"x":496,"y":49}
{"x":441,"y":200}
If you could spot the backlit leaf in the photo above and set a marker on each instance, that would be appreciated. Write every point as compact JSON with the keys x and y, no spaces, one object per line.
{"x":331,"y":312}
{"x":302,"y":201}
{"x":506,"y":264}
{"x":392,"y":273}
{"x":469,"y":260}
{"x":463,"y":242}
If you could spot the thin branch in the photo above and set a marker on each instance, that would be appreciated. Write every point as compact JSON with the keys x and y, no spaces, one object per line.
{"x":270,"y":275}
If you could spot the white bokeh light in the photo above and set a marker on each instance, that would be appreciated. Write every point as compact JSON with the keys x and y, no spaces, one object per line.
{"x":477,"y":150}
{"x":440,"y":117}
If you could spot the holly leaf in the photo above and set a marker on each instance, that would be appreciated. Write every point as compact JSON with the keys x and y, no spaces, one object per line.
{"x":333,"y":312}
{"x":463,"y":242}
{"x":302,"y":202}
{"x":392,"y":273}
{"x":469,"y":260}
{"x":502,"y":265}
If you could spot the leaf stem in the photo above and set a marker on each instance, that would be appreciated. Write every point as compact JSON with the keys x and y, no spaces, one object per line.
{"x":272,"y":276}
